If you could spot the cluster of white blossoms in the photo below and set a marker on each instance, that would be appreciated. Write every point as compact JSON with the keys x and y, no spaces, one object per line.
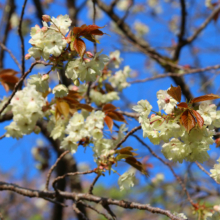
{"x":127,"y":179}
{"x":27,"y":109}
{"x":141,"y":28}
{"x":119,"y":79}
{"x":178,"y":143}
{"x":88,"y":69}
{"x":215,"y":172}
{"x":49,"y":40}
{"x":78,"y":128}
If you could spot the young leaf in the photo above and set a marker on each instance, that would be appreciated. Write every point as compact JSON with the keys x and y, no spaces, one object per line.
{"x":136,"y":164}
{"x":85,"y":106}
{"x":205,"y":98}
{"x":108,"y":108}
{"x":109,"y":122}
{"x":79,"y":46}
{"x":182,"y":105}
{"x":63,"y":107}
{"x":187,"y":120}
{"x":116,"y":116}
{"x":198,"y":117}
{"x":175,"y":92}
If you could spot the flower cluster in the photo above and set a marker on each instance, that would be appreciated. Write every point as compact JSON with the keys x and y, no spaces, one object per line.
{"x":79,"y":128}
{"x":49,"y":40}
{"x":88,"y":69}
{"x":119,"y":79}
{"x":27,"y":109}
{"x":179,"y":142}
{"x":215,"y":172}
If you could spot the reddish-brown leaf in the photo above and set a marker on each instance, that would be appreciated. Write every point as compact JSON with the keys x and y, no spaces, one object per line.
{"x":79,"y":46}
{"x":108,"y":108}
{"x":182,"y":105}
{"x":85,"y":106}
{"x":109,"y":122}
{"x":10,"y":72}
{"x":116,"y":116}
{"x":136,"y":164}
{"x":205,"y":98}
{"x":63,"y":107}
{"x":127,"y":151}
{"x":175,"y":92}
{"x":187,"y":120}
{"x":8,"y":81}
{"x":198,"y":117}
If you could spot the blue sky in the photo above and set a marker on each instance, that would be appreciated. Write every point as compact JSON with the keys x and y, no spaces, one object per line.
{"x":16,"y":155}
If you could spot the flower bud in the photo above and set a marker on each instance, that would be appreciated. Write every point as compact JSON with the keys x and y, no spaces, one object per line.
{"x":76,"y":82}
{"x":44,"y":29}
{"x":27,"y":56}
{"x":89,"y":54}
{"x":45,"y":77}
{"x":37,"y":130}
{"x":46,"y":18}
{"x":60,"y":91}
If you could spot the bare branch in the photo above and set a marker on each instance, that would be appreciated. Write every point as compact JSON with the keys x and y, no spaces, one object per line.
{"x":78,"y":212}
{"x":127,"y":135}
{"x":92,"y":208}
{"x":22,"y":39}
{"x":170,"y":167}
{"x":87,"y":197}
{"x":53,"y":167}
{"x":203,"y":26}
{"x":93,"y":183}
{"x":188,"y":72}
{"x":11,"y":54}
{"x":69,"y":174}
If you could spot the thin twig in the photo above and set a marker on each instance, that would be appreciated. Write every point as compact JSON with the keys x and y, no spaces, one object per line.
{"x":22,"y":39}
{"x":169,"y":166}
{"x":17,"y":85}
{"x":94,"y":18}
{"x":78,"y":212}
{"x":11,"y":54}
{"x":205,"y":171}
{"x":126,"y":13}
{"x":1,"y":137}
{"x":93,"y":183}
{"x":69,"y":174}
{"x":187,"y":72}
{"x":127,"y":135}
{"x":53,"y":167}
{"x":202,"y":26}
{"x":182,"y":30}
{"x":92,"y":208}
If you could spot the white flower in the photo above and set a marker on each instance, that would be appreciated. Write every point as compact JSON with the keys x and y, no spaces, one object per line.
{"x":102,"y":147}
{"x":60,"y":91}
{"x":208,"y":112}
{"x":69,"y":144}
{"x":141,"y":28}
{"x":215,"y":172}
{"x":115,"y":58}
{"x":175,"y":150}
{"x":119,"y":80}
{"x":41,"y":82}
{"x":61,"y":23}
{"x":165,"y":101}
{"x":215,"y":216}
{"x":143,"y":107}
{"x":127,"y":180}
{"x":54,"y":43}
{"x":123,"y":5}
{"x":75,"y":123}
{"x":95,"y":120}
{"x":13,"y":131}
{"x":72,"y":69}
